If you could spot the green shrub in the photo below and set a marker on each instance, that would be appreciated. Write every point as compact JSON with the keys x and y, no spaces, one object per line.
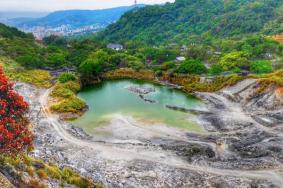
{"x":233,"y":60}
{"x":65,"y":90}
{"x":136,"y":65}
{"x":72,"y":104}
{"x":261,"y":67}
{"x":65,"y":77}
{"x":216,"y":69}
{"x":192,"y":67}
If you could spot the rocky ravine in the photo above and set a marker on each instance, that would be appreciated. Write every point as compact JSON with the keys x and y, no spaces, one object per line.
{"x":242,"y":148}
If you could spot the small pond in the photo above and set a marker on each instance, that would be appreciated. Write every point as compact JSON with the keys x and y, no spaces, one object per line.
{"x":113,"y":97}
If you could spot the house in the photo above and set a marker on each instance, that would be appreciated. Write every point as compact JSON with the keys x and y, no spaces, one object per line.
{"x":115,"y":47}
{"x":180,"y":59}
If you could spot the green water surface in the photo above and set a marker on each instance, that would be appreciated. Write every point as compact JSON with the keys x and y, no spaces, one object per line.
{"x":111,"y":97}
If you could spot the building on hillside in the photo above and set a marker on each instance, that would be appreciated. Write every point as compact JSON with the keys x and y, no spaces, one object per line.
{"x":115,"y":47}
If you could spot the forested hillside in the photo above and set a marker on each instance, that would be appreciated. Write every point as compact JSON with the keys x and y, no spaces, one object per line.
{"x":190,"y":20}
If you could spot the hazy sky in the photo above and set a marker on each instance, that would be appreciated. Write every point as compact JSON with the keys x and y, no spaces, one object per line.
{"x":51,"y":5}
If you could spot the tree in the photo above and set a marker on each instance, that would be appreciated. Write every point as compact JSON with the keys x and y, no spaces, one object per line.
{"x":54,"y":40}
{"x":261,"y":67}
{"x":14,"y":132}
{"x":29,"y":61}
{"x":192,"y":67}
{"x":215,"y":69}
{"x":56,"y":59}
{"x":91,"y":67}
{"x":159,"y":55}
{"x":233,"y":60}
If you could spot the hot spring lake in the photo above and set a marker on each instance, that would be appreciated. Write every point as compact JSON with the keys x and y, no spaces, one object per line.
{"x":109,"y":98}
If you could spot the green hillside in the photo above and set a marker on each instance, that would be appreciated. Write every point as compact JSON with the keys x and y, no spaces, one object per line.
{"x":190,"y":20}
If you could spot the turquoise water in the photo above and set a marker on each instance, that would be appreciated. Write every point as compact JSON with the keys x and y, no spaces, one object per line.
{"x":111,"y":97}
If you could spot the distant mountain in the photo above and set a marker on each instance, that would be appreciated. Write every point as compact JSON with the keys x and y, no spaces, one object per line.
{"x":71,"y":21}
{"x":192,"y":20}
{"x":5,"y":16}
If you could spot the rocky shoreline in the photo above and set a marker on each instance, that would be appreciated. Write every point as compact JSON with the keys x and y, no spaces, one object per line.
{"x":241,"y":148}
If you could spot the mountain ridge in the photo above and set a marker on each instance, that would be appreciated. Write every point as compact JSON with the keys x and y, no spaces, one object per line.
{"x":77,"y":16}
{"x":188,"y":20}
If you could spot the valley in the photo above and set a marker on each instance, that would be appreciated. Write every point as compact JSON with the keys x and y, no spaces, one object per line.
{"x":220,"y":156}
{"x":171,"y":94}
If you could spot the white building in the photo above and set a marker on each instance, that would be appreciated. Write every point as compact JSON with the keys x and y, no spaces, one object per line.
{"x":115,"y":46}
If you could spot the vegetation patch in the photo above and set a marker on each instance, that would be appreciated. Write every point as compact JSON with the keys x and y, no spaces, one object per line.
{"x":66,"y":99}
{"x":130,"y":73}
{"x":272,"y":79}
{"x":190,"y":83}
{"x":39,"y":172}
{"x":14,"y":71}
{"x":65,"y":77}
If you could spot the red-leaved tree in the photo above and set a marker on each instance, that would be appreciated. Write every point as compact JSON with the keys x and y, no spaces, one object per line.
{"x":14,"y":132}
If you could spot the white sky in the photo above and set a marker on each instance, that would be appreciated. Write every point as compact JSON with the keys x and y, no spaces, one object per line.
{"x":51,"y":5}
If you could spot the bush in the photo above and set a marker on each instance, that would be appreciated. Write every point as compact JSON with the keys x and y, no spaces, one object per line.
{"x":91,"y":67}
{"x":192,"y":67}
{"x":233,"y":60}
{"x":216,"y":69}
{"x":15,"y":135}
{"x":261,"y":67}
{"x":72,"y":104}
{"x":136,"y":65}
{"x":65,"y":77}
{"x":65,"y":90}
{"x":29,"y":61}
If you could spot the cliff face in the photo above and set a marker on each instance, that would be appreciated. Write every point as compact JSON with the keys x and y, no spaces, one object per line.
{"x":253,"y":98}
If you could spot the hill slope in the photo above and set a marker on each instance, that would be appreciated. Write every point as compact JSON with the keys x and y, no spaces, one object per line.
{"x":74,"y":18}
{"x":186,"y":19}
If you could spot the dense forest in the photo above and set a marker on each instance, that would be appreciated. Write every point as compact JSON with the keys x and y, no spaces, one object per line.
{"x":213,"y":37}
{"x":254,"y":53}
{"x":187,"y":21}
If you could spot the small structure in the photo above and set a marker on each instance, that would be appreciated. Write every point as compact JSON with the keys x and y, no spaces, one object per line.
{"x":180,"y":59}
{"x":116,"y":47}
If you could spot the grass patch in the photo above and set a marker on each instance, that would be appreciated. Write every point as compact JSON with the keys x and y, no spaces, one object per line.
{"x":40,"y":171}
{"x":72,"y":104}
{"x":267,"y":80}
{"x":65,"y":94}
{"x":129,"y":73}
{"x":190,"y":83}
{"x":14,"y":71}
